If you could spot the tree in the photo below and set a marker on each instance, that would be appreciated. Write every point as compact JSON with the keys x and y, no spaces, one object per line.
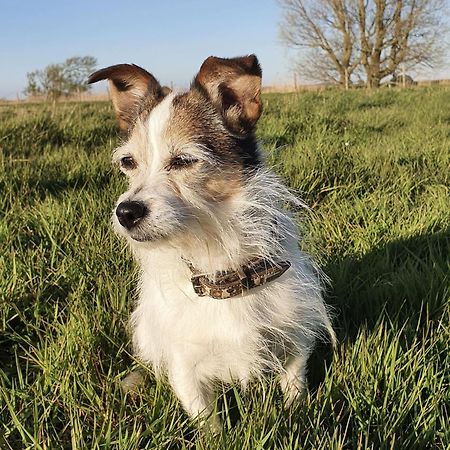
{"x":396,"y":33}
{"x":363,"y":37}
{"x":65,"y":79}
{"x":325,"y":28}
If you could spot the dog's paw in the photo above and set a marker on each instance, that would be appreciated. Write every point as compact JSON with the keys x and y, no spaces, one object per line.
{"x":212,"y":425}
{"x":132,"y":382}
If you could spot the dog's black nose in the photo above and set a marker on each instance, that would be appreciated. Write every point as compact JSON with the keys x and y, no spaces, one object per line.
{"x":130,"y":213}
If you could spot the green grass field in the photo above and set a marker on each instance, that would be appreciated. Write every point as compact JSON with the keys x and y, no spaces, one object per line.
{"x":374,"y":167}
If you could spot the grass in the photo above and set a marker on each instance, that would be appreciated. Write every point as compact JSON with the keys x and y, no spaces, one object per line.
{"x":374,"y":166}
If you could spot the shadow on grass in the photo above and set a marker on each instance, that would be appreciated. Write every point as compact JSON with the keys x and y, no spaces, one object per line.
{"x":55,"y":185}
{"x":405,"y":281}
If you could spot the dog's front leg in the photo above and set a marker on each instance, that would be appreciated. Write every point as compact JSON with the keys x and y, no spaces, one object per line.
{"x":293,"y":379}
{"x":196,"y":398}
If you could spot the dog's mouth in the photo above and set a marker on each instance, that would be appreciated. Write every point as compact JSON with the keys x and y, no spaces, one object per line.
{"x":140,"y":238}
{"x":145,"y":236}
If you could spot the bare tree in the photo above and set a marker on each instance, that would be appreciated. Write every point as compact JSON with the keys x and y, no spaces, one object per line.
{"x":375,"y":37}
{"x":399,"y":33}
{"x":326,"y":30}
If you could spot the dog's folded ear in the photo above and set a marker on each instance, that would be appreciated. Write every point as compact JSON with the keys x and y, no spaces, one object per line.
{"x":130,"y":86}
{"x":234,"y":87}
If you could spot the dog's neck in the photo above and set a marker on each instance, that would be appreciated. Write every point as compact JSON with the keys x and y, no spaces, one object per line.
{"x":232,"y":283}
{"x":207,"y":256}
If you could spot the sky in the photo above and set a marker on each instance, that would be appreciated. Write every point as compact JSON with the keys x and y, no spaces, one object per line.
{"x":169,"y":38}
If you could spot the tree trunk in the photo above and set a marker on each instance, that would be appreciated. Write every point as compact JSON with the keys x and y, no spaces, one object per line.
{"x":344,"y":78}
{"x":373,"y":81}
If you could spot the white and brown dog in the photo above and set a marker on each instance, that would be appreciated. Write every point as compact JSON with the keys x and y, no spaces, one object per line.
{"x":225,"y":294}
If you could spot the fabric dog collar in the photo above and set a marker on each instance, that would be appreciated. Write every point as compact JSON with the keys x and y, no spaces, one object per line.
{"x":229,"y":284}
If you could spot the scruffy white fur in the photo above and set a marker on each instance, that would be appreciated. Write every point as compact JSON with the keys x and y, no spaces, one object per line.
{"x":195,"y":340}
{"x":199,"y":193}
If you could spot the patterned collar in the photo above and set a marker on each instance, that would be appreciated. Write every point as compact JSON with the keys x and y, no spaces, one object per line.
{"x":222,"y":285}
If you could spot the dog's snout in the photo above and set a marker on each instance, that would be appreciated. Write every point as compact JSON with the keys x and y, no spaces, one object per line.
{"x":130,"y":213}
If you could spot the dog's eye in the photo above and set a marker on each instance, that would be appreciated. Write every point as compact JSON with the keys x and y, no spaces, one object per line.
{"x":181,"y":161}
{"x":128,"y":162}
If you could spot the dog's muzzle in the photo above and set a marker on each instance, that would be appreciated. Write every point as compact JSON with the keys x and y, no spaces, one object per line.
{"x":130,"y":214}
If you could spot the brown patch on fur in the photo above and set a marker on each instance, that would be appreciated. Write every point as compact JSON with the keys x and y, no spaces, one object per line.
{"x":215,"y":184}
{"x":133,"y":91}
{"x":222,"y":188}
{"x":195,"y":120}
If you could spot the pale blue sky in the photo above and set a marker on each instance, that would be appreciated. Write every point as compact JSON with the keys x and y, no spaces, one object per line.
{"x":169,"y":38}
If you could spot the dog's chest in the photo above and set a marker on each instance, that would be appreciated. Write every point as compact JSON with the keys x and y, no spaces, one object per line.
{"x":171,"y":321}
{"x":185,"y":317}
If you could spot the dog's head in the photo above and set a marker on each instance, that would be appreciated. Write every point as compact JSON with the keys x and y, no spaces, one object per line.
{"x":186,"y":155}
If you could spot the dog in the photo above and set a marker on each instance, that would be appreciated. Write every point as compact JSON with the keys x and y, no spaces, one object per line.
{"x":225,"y":294}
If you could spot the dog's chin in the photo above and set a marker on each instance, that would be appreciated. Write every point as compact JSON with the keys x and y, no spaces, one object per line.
{"x":145,"y":237}
{"x":148,"y":235}
{"x":151,"y":237}
{"x":140,"y":238}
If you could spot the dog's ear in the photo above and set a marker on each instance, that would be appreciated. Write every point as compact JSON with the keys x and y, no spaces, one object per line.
{"x":130,"y":85}
{"x":234,"y":87}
